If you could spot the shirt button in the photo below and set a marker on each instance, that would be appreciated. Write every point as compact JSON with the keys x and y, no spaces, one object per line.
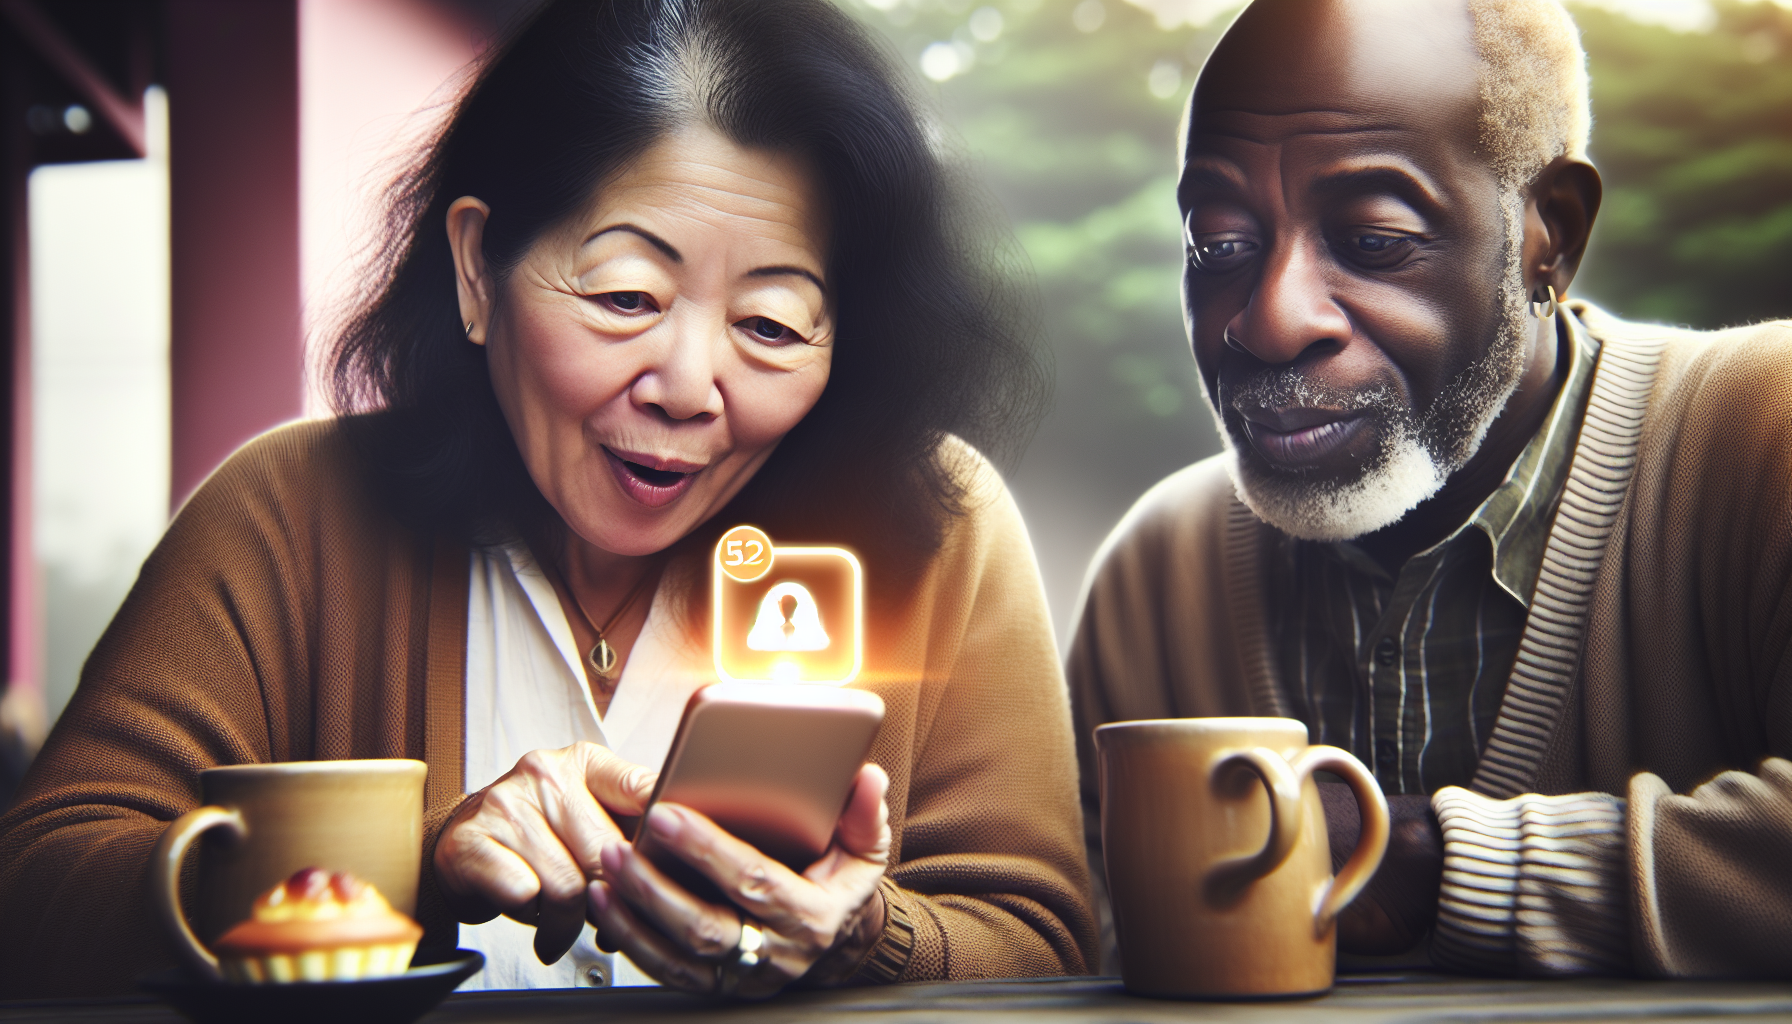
{"x":1385,"y":755}
{"x":596,"y":975}
{"x":1386,"y":652}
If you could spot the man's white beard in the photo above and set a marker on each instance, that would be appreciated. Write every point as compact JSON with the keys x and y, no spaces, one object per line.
{"x":1417,"y":453}
{"x":1403,"y":474}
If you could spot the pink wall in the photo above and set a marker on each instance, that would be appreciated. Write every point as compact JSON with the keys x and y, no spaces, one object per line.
{"x":376,"y":77}
{"x":286,"y":119}
{"x":236,"y":354}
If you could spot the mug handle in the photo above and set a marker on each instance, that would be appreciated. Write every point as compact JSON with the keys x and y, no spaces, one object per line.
{"x":1281,"y":783}
{"x":1370,"y":846}
{"x":164,"y":881}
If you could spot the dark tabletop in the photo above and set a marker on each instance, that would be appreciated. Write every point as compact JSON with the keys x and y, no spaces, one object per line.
{"x":1404,"y":998}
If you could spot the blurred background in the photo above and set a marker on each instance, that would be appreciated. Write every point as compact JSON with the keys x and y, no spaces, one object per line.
{"x":188,"y":182}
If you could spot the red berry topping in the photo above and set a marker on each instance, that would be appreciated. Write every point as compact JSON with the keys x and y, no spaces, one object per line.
{"x":347,"y":886}
{"x":308,"y":884}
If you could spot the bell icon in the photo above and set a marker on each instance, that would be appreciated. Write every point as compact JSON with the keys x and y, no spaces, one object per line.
{"x":788,"y":620}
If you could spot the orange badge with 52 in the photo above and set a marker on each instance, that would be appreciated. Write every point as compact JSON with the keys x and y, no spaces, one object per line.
{"x":786,"y":614}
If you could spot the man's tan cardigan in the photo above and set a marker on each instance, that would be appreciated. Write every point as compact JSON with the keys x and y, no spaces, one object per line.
{"x":1656,"y":662}
{"x":285,"y":616}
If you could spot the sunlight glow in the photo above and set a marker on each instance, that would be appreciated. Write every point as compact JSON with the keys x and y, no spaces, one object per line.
{"x":1679,"y":15}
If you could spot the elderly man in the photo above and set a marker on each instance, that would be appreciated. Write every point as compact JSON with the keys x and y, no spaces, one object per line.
{"x":1530,"y":563}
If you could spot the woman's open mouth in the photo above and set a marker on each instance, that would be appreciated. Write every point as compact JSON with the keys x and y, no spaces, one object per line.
{"x":650,"y":481}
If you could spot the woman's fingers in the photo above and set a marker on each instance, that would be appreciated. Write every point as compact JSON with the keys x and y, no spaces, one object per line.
{"x":562,"y":840}
{"x":791,"y":912}
{"x":491,"y":877}
{"x":803,"y":918}
{"x":646,"y":947}
{"x":530,"y":843}
{"x":768,"y":890}
{"x":574,"y":814}
{"x":704,"y":929}
{"x":807,"y":913}
{"x":557,"y":927}
{"x":620,"y":785}
{"x":557,"y":907}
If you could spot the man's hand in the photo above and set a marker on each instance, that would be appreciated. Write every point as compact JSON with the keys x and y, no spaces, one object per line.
{"x":819,"y":923}
{"x":527,"y":845}
{"x":1394,"y":912}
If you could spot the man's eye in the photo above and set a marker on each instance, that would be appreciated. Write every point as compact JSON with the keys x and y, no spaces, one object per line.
{"x":764,"y":328}
{"x":628,"y":302}
{"x":1217,"y":255}
{"x":1377,"y":250}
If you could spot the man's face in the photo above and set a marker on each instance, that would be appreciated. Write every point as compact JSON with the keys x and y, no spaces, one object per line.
{"x":1355,"y":309}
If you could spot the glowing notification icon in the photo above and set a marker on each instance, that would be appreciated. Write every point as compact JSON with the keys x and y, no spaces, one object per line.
{"x":786,"y":614}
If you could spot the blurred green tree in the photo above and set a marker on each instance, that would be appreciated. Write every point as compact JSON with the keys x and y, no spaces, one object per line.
{"x":1693,"y":133}
{"x":1064,"y":112}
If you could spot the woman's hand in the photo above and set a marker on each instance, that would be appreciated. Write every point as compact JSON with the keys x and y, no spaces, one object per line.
{"x":527,"y":845}
{"x":820,"y":922}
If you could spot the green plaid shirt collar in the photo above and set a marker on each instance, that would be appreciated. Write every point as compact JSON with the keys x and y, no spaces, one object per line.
{"x":1516,"y":517}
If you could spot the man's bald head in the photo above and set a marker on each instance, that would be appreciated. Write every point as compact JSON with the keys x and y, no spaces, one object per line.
{"x":1519,"y":63}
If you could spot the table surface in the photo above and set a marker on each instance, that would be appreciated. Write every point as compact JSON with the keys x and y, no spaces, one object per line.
{"x":1405,"y":998}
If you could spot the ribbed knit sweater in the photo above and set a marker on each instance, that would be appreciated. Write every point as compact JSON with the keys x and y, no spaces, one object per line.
{"x":1632,"y":810}
{"x":287,"y":616}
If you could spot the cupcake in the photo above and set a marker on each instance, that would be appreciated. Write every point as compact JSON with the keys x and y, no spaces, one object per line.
{"x":317,"y":926}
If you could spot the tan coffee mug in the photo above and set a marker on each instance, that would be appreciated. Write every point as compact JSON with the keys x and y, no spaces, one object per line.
{"x":1222,"y":887}
{"x":363,"y":817}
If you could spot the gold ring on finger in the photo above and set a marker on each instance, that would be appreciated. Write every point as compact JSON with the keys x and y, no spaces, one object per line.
{"x":740,"y":961}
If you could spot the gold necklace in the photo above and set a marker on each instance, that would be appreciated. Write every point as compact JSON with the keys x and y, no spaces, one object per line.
{"x":602,"y":657}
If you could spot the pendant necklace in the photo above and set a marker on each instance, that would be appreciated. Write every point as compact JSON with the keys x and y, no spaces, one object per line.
{"x":602,"y":657}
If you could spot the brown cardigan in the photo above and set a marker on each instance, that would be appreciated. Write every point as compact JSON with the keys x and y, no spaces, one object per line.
{"x":285,"y":616}
{"x":1656,"y":662}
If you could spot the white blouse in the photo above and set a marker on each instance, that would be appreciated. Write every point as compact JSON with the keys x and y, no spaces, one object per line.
{"x":526,"y":691}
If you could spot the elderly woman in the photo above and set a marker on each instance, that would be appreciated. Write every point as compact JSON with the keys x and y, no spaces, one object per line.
{"x":671,"y":266}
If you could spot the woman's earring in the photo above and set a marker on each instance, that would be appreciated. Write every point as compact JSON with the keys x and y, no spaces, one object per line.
{"x":1543,"y":309}
{"x":469,"y":330}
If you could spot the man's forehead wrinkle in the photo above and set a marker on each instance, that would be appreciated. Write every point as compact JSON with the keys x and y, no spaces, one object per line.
{"x":1208,"y":173}
{"x":1269,"y":135}
{"x":1215,"y":169}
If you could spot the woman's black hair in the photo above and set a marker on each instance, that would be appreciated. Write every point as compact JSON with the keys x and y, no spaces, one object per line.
{"x":931,"y":338}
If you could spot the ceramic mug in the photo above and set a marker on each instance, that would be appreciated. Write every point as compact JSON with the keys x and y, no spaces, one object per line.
{"x":1218,"y":863}
{"x":363,"y":817}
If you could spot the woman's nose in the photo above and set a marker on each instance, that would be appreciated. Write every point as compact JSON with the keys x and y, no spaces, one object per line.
{"x":680,"y":381}
{"x":1291,"y":309}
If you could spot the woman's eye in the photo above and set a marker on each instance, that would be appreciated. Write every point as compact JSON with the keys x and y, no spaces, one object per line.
{"x":1218,"y":255}
{"x":764,"y":328}
{"x":628,"y":302}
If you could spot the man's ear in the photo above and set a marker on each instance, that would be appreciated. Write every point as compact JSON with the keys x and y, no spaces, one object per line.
{"x":1567,"y":196}
{"x":472,"y":282}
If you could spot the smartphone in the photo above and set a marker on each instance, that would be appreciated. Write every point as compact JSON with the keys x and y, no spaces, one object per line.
{"x":772,"y":763}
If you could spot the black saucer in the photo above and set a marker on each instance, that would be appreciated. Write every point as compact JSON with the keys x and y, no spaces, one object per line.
{"x":395,"y":1000}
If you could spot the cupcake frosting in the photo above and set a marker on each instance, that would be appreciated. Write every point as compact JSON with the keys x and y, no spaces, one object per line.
{"x":319,"y":926}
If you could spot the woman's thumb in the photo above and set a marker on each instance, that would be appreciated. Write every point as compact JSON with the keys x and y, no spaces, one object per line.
{"x":864,"y":828}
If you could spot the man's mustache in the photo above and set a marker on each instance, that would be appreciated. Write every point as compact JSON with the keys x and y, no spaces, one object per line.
{"x":1287,"y":387}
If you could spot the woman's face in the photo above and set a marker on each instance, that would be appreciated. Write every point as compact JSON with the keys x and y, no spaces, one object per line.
{"x":650,"y":353}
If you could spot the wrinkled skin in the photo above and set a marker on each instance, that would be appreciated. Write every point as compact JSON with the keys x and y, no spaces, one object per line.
{"x":1343,"y":223}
